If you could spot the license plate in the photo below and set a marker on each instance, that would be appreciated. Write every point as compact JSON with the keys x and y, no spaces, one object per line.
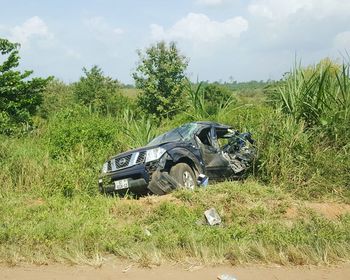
{"x":121,"y":184}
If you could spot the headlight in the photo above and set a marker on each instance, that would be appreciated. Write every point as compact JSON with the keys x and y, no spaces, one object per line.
{"x":105,"y":167}
{"x":154,"y":154}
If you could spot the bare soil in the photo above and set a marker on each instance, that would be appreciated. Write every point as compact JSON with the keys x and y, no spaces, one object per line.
{"x":129,"y":272}
{"x":329,"y":210}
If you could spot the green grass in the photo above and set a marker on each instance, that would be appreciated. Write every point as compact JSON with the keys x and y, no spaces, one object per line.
{"x":255,"y":228}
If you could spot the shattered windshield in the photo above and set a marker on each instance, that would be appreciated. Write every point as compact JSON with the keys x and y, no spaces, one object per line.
{"x":182,"y":133}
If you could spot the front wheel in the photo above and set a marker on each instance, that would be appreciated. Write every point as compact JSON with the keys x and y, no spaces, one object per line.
{"x":184,"y":175}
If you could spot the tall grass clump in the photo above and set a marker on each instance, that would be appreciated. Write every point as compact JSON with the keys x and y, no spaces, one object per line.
{"x":292,"y":156}
{"x":138,"y":131}
{"x":318,"y":95}
{"x":209,"y":102}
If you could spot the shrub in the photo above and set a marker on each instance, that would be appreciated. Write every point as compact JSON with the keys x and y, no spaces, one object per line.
{"x":76,"y":127}
{"x":216,"y":97}
{"x":56,"y":97}
{"x":291,"y":156}
{"x":99,"y":93}
{"x":209,"y":102}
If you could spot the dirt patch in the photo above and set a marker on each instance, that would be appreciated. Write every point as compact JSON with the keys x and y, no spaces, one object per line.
{"x":35,"y":202}
{"x":155,"y":200}
{"x":292,"y":213}
{"x":130,"y":272}
{"x":329,"y":210}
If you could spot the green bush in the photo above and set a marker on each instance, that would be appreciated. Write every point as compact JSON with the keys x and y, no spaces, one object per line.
{"x":56,"y":97}
{"x":75,"y":127}
{"x":208,"y":101}
{"x":99,"y":93}
{"x":216,"y":97}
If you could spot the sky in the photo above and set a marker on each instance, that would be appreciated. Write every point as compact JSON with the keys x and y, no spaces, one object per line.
{"x":224,"y":40}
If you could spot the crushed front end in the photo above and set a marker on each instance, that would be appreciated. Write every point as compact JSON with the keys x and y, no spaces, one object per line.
{"x":137,"y":172}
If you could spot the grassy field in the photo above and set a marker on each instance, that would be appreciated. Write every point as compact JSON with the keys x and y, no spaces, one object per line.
{"x":260,"y":225}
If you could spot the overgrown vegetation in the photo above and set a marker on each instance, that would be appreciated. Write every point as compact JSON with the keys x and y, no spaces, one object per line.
{"x":50,"y":208}
{"x":318,"y":95}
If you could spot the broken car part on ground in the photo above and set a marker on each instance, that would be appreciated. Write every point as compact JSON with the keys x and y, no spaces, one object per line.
{"x":177,"y":158}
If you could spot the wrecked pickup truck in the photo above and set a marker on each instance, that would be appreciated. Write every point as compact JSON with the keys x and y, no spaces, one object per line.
{"x":177,"y":158}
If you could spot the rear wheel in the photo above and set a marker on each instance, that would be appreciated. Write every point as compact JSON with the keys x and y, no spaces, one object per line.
{"x":184,"y":175}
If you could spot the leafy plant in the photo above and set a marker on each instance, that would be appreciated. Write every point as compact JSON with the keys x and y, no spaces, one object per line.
{"x":138,"y":131}
{"x":56,"y":97}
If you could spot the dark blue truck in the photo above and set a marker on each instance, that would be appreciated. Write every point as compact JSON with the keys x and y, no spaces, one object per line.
{"x":178,"y":158}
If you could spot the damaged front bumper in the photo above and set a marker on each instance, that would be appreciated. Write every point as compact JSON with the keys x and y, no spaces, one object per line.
{"x":139,"y":179}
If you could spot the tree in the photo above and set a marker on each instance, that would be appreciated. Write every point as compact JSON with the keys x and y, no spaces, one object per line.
{"x":160,"y":75}
{"x":19,"y":96}
{"x":99,"y":92}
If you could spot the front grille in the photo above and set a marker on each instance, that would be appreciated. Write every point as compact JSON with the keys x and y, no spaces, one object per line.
{"x":122,"y":162}
{"x":126,"y":161}
{"x":141,"y":158}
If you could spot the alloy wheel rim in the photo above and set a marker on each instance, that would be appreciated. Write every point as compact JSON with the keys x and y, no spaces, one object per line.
{"x":188,"y":180}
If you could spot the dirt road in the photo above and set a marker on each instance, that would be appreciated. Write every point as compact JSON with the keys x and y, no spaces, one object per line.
{"x":133,"y":272}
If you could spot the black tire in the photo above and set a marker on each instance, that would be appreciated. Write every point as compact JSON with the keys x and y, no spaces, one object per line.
{"x":184,"y":175}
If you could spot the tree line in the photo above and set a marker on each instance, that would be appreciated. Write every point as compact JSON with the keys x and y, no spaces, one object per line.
{"x":160,"y":77}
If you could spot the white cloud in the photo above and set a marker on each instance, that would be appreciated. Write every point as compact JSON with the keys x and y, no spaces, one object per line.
{"x":296,"y":25}
{"x":274,"y":9}
{"x":72,"y":53}
{"x":342,"y":41}
{"x":118,"y":31}
{"x":210,"y":2}
{"x":316,"y":9}
{"x":34,"y":27}
{"x":200,"y":28}
{"x":102,"y":30}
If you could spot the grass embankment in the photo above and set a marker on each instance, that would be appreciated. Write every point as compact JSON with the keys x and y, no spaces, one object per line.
{"x":260,"y":224}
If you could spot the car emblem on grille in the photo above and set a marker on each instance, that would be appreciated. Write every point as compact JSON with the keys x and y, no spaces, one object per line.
{"x":122,"y":161}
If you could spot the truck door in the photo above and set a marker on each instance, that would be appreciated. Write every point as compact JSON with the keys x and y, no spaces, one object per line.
{"x":216,"y":165}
